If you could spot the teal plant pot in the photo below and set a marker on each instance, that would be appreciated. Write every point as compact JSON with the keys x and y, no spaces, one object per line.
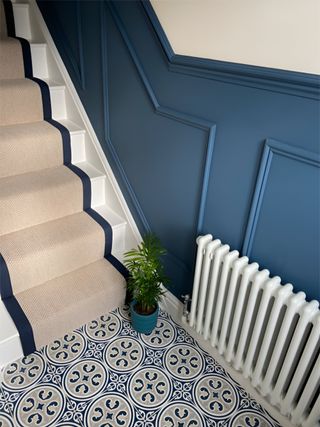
{"x":143,"y":323}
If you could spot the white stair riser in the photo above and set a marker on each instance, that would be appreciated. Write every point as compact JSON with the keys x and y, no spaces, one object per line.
{"x":58,"y":102}
{"x":22,"y":20}
{"x":39,"y":60}
{"x":10,"y":350}
{"x":10,"y":347}
{"x":78,"y":150}
{"x":118,"y":240}
{"x":98,"y":192}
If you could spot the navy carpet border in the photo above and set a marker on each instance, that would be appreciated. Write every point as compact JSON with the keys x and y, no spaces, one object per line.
{"x":8,"y":11}
{"x":5,"y":282}
{"x":18,"y":316}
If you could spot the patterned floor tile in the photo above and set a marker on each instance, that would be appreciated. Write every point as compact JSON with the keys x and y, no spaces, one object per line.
{"x":107,"y":374}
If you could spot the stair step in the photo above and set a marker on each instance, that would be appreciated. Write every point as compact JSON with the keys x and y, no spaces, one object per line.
{"x":119,"y":228}
{"x":17,"y":95}
{"x":20,"y":102}
{"x":58,"y":100}
{"x":39,"y":142}
{"x":37,"y":197}
{"x":77,"y":140}
{"x":11,"y":59}
{"x":67,"y":302}
{"x":58,"y":306}
{"x":41,"y":253}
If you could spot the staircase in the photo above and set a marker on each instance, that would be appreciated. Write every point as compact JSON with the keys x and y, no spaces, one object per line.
{"x":64,"y":223}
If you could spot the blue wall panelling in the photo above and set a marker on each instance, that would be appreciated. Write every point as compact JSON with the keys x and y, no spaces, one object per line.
{"x":185,"y":138}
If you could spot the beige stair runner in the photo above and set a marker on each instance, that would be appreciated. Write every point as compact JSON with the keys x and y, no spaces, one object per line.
{"x":54,"y":273}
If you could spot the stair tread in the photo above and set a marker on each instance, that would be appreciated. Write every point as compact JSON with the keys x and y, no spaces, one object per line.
{"x":53,"y":84}
{"x":11,"y":59}
{"x":112,"y":217}
{"x":90,"y":170}
{"x":20,"y":101}
{"x":69,"y":301}
{"x":40,"y":196}
{"x":71,"y":126}
{"x":39,"y":142}
{"x":40,"y":253}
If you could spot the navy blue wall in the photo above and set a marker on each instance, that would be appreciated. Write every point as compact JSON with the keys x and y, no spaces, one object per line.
{"x":198,"y":146}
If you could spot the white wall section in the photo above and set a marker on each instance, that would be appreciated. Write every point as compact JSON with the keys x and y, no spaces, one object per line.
{"x":283,"y":34}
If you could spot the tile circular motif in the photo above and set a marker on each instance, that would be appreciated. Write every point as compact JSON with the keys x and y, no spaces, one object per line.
{"x":23,"y":373}
{"x":5,"y":421}
{"x":123,"y":354}
{"x":250,"y":419}
{"x":104,"y":328}
{"x":162,"y":336}
{"x":67,"y":349}
{"x":149,"y":387}
{"x":40,"y":406}
{"x":85,"y":379}
{"x":110,"y":410}
{"x":124,"y":312}
{"x":180,"y":414}
{"x":184,"y":361}
{"x":215,"y":395}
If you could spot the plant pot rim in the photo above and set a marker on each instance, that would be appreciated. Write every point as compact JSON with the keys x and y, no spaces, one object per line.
{"x":133,"y":304}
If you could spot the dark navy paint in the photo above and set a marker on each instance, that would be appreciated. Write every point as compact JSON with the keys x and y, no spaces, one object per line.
{"x":147,"y":108}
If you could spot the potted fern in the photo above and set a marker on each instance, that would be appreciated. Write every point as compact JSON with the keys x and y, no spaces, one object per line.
{"x":146,"y":275}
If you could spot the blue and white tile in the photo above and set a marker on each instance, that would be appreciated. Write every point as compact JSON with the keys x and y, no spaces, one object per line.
{"x":6,"y":417}
{"x":105,"y":373}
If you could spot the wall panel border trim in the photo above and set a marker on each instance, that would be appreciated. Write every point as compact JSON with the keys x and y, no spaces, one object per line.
{"x":271,"y":79}
{"x":271,"y":147}
{"x":181,"y":117}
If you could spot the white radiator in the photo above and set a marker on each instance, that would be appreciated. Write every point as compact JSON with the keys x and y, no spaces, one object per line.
{"x":260,"y":327}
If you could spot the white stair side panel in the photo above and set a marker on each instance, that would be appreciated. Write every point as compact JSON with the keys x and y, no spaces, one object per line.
{"x":77,"y":141}
{"x":58,"y":105}
{"x":22,"y":20}
{"x":98,"y":180}
{"x":10,"y":345}
{"x":39,"y":60}
{"x":119,"y":227}
{"x":78,"y":152}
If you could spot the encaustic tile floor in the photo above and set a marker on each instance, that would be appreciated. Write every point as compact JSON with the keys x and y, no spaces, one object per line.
{"x":105,"y":374}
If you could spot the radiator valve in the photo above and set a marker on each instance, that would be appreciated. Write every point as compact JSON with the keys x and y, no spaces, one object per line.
{"x":185,"y":313}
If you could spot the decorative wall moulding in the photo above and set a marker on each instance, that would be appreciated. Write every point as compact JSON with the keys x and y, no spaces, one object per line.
{"x":271,"y":79}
